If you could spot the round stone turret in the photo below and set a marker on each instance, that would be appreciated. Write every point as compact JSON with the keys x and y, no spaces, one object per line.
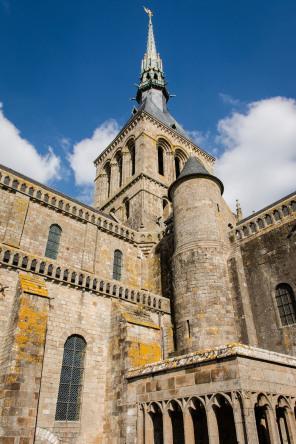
{"x":202,"y":301}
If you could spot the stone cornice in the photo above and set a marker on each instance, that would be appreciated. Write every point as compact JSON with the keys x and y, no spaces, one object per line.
{"x":216,"y":353}
{"x":143,"y":115}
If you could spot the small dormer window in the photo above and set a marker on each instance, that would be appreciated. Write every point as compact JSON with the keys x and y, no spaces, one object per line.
{"x":173,"y":126}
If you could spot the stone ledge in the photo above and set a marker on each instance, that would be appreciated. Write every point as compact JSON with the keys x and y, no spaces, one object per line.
{"x":223,"y":351}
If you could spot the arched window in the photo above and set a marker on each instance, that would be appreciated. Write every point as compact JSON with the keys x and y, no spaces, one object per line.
{"x":177,"y":166}
{"x":160,"y":160}
{"x":69,"y":397}
{"x":53,"y":242}
{"x":286,"y":304}
{"x":117,"y":265}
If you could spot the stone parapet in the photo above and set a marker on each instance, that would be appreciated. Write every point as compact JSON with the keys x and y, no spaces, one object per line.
{"x":213,"y":354}
{"x":265,"y":220}
{"x":53,"y":270}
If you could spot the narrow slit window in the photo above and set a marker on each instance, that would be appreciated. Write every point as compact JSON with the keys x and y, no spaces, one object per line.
{"x":133,"y":159}
{"x":70,"y":388}
{"x":53,"y":242}
{"x":160,"y":161}
{"x":117,"y":265}
{"x":177,"y":167}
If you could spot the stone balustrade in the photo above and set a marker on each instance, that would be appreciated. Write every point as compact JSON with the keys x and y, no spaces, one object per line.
{"x":51,"y":269}
{"x":262,"y":221}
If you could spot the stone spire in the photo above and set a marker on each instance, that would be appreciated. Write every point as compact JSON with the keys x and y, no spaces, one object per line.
{"x":152,"y":76}
{"x":239,"y":213}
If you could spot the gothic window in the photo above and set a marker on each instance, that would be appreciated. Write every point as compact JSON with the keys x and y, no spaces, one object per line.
{"x":53,"y":242}
{"x":252,"y":226}
{"x":15,"y":184}
{"x":286,"y":304}
{"x":293,"y":205}
{"x":69,"y":397}
{"x":117,"y":265}
{"x":160,"y":161}
{"x":245,"y":231}
{"x":177,"y":166}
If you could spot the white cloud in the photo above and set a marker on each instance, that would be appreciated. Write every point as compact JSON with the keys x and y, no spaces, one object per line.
{"x":86,"y":151}
{"x":228,"y":99}
{"x":259,"y":163}
{"x":20,"y":155}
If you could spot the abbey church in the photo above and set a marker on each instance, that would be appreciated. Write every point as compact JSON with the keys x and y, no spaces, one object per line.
{"x":156,"y":316}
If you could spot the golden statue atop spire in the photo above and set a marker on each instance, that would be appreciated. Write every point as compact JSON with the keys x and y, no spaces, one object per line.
{"x":150,"y":13}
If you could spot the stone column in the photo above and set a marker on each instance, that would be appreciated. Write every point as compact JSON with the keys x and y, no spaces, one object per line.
{"x":290,"y":418}
{"x":149,"y":435}
{"x":212,"y":426}
{"x":250,"y":419}
{"x":282,"y":430}
{"x":126,"y":166}
{"x":114,"y":178}
{"x":188,"y":427}
{"x":102,"y":192}
{"x":272,"y":426}
{"x":140,"y":426}
{"x":238,"y":419}
{"x":167,"y":429}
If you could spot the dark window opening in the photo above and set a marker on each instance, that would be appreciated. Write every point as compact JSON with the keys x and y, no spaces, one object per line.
{"x":160,"y":161}
{"x":177,"y":167}
{"x":133,"y":159}
{"x":127,"y":209}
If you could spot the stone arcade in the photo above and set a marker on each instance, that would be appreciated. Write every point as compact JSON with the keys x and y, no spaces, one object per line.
{"x":155,"y":316}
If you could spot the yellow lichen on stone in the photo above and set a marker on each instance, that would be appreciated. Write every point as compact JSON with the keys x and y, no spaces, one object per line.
{"x":141,"y":353}
{"x":33,"y":286}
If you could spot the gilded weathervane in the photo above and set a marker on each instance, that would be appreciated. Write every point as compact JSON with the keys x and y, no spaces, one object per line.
{"x":148,"y":12}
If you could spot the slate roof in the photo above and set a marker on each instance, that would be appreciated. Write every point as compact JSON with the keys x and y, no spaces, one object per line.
{"x":193,"y":168}
{"x":58,"y":193}
{"x":163,"y":116}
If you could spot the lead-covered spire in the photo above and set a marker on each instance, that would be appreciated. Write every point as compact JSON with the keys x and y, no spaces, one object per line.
{"x":151,"y":71}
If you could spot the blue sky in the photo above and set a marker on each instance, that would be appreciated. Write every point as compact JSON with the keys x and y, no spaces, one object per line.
{"x":68,"y":68}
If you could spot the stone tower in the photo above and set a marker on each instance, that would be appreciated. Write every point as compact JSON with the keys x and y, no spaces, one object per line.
{"x":134,"y":172}
{"x":202,"y":303}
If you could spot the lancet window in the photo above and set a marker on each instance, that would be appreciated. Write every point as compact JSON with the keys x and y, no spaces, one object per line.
{"x":69,"y":396}
{"x":53,"y":241}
